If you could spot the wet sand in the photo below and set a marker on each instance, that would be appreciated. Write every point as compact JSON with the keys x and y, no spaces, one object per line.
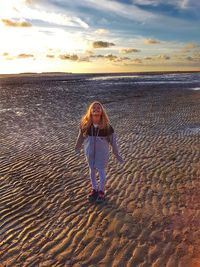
{"x":151,"y":216}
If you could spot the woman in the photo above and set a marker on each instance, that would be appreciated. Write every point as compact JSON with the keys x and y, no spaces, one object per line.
{"x":96,"y":133}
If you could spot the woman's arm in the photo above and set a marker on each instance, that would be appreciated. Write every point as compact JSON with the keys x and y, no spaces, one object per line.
{"x":79,"y":142}
{"x":113,"y":142}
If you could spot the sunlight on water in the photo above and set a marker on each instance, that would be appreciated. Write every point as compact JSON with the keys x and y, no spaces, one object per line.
{"x":113,"y":77}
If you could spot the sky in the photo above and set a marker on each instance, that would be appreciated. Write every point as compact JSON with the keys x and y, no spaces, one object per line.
{"x":89,"y":36}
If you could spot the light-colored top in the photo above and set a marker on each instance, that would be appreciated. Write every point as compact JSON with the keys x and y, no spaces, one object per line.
{"x":96,"y":148}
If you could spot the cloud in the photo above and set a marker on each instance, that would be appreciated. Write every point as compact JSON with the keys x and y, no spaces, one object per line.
{"x":186,"y":49}
{"x":154,"y":18}
{"x":111,"y":57}
{"x":190,"y":46}
{"x":191,"y":4}
{"x":89,"y":52}
{"x":146,"y":2}
{"x":21,"y":56}
{"x":181,"y":4}
{"x":84,"y":59}
{"x":120,"y":9}
{"x":50,"y":56}
{"x":73,"y":57}
{"x":163,"y":57}
{"x":196,"y":54}
{"x":102,"y":31}
{"x":129,"y":50}
{"x":189,"y":58}
{"x":194,"y":58}
{"x":97,"y":56}
{"x":151,"y":41}
{"x":124,"y":58}
{"x":137,"y":61}
{"x":41,"y":11}
{"x":5,"y":54}
{"x":101,"y":44}
{"x":157,"y":58}
{"x":16,"y":23}
{"x":57,"y":13}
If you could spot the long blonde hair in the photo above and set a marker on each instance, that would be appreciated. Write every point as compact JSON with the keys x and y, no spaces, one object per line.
{"x":86,"y":120}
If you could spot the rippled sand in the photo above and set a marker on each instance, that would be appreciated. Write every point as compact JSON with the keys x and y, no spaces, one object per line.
{"x":151,"y":216}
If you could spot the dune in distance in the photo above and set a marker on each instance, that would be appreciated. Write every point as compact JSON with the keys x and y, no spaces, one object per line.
{"x":151,"y":216}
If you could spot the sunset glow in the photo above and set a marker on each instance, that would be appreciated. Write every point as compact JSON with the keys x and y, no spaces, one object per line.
{"x":104,"y":36}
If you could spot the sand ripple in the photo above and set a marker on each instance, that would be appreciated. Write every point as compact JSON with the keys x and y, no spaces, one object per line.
{"x":152,"y":213}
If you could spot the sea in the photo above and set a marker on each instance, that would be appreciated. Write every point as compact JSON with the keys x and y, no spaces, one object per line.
{"x":190,"y":78}
{"x":36,"y":102}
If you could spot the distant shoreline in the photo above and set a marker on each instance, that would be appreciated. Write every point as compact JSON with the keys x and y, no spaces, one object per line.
{"x":58,"y":74}
{"x":34,"y":74}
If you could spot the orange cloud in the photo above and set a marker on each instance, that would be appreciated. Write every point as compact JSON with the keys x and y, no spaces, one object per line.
{"x":69,"y":57}
{"x":164,"y":57}
{"x":134,"y":61}
{"x":151,"y":41}
{"x":25,"y":56}
{"x":7,"y":56}
{"x":97,"y":56}
{"x":124,"y":58}
{"x":130,"y":50}
{"x":101,"y":44}
{"x":13,"y":23}
{"x":50,"y":56}
{"x":84,"y":59}
{"x":111,"y":57}
{"x":190,"y":46}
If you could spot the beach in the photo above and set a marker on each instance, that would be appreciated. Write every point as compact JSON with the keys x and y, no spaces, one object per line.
{"x":151,"y":215}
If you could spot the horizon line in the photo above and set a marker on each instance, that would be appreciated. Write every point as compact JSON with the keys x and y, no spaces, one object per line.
{"x":96,"y":73}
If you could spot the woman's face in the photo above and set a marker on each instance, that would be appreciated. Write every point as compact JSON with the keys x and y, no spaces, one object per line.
{"x":96,"y":111}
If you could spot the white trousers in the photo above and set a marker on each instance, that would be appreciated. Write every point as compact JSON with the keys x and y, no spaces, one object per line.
{"x":102,"y":177}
